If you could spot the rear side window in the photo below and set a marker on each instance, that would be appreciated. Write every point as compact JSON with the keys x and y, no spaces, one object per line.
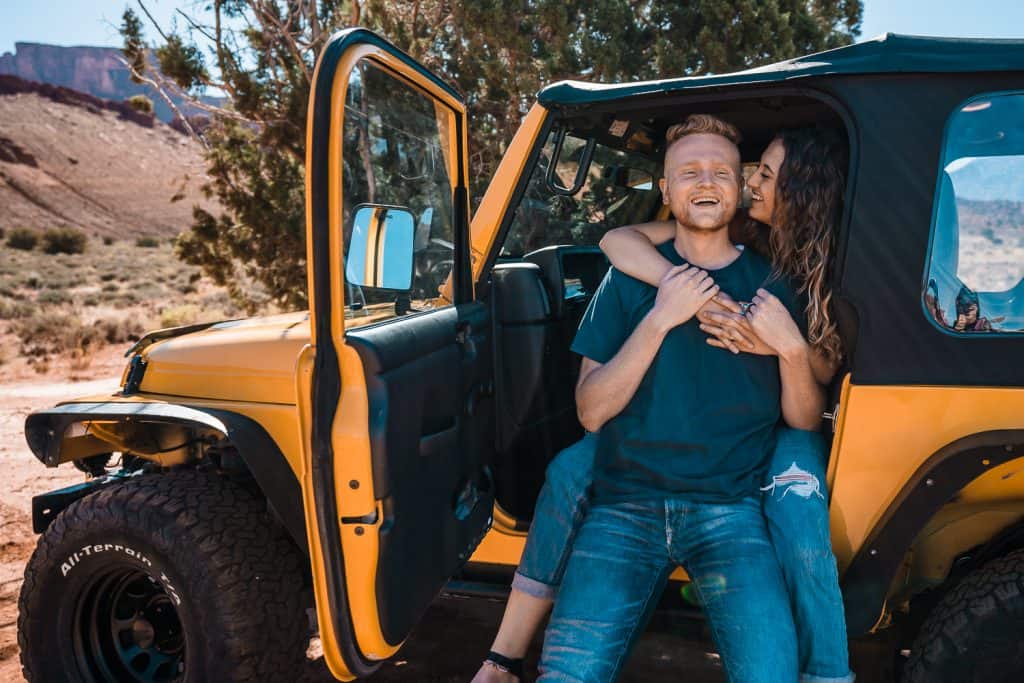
{"x":975,"y":271}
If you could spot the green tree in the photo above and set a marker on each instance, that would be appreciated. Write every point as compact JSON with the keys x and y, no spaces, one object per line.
{"x":261,"y":54}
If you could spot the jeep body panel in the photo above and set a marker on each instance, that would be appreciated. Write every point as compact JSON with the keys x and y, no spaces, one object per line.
{"x":250,"y":360}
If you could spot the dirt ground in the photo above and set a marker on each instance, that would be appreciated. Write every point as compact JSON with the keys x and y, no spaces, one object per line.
{"x":445,"y":648}
{"x":21,"y":392}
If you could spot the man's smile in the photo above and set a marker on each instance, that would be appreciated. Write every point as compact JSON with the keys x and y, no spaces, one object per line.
{"x":705,"y":200}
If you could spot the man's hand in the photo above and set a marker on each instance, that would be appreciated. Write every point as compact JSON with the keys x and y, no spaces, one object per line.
{"x":681,"y":293}
{"x":770,"y":321}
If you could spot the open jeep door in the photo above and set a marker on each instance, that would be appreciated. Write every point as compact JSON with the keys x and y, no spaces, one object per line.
{"x":395,"y":391}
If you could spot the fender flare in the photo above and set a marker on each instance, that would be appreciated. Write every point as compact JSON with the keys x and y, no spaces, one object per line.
{"x":45,"y":429}
{"x":865,"y":584}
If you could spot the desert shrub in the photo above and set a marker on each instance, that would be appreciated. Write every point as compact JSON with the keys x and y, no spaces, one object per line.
{"x":179,"y":315}
{"x":111,"y":287}
{"x":125,"y":299}
{"x":32,"y":280}
{"x":119,"y":330}
{"x":44,"y":333}
{"x":64,"y":241}
{"x":107,"y":277}
{"x":108,"y":240}
{"x":141,"y":104}
{"x":195,"y":277}
{"x":147,"y":242}
{"x":187,"y":288}
{"x":3,"y":232}
{"x":149,"y":291}
{"x":53,"y":297}
{"x":11,"y":310}
{"x":90,"y":301}
{"x":219,"y":300}
{"x":22,"y":238}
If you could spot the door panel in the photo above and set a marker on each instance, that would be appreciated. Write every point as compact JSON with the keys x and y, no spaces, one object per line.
{"x":395,"y":486}
{"x":428,"y":466}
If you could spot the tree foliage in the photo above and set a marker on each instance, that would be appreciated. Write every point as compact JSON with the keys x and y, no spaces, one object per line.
{"x":499,"y":53}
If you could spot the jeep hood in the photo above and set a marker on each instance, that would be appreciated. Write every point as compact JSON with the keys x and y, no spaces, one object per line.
{"x":249,"y":360}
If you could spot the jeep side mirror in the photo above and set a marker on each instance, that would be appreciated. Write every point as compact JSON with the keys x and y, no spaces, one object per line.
{"x":380,"y":252}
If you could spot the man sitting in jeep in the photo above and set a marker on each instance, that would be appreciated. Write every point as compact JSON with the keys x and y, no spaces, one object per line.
{"x":685,"y":430}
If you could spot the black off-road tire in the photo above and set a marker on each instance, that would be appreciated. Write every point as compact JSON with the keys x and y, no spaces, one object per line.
{"x":180,"y":577}
{"x":976,"y":632}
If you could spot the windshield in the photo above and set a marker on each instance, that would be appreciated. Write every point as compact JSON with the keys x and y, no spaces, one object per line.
{"x":620,"y":188}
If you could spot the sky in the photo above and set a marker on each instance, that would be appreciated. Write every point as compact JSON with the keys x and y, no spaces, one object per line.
{"x":94,"y":22}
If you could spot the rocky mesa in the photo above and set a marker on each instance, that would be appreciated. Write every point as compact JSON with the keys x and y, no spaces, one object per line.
{"x":68,"y":159}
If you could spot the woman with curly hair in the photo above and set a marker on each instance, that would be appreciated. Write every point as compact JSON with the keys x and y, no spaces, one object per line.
{"x":796,"y":202}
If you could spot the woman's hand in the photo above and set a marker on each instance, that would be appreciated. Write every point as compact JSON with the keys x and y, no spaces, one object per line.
{"x":770,"y":321}
{"x":722,"y":320}
{"x":731,"y":331}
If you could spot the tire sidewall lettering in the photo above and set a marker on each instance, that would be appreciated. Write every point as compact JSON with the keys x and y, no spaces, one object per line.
{"x":119,"y":551}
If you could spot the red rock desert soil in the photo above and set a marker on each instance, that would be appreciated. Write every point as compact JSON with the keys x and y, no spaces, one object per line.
{"x":21,"y":392}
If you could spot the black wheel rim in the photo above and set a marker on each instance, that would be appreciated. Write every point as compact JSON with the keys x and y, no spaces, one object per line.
{"x":126,"y":628}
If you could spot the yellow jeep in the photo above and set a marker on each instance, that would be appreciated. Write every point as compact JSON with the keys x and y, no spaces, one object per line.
{"x":358,"y":456}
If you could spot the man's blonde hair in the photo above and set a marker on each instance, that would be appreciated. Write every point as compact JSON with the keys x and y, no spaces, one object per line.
{"x":702,"y":123}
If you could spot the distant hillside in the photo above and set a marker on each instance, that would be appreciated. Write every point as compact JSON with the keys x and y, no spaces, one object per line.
{"x":68,"y":159}
{"x":989,"y":178}
{"x":97,"y":71}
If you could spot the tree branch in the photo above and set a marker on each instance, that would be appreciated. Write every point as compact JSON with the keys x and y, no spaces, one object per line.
{"x":166,"y":98}
{"x":152,"y":20}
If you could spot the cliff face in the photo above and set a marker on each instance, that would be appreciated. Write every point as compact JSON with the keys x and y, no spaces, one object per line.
{"x":97,"y":71}
{"x":70,"y":159}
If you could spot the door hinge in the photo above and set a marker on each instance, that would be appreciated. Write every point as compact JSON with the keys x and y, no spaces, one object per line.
{"x":833,"y":417}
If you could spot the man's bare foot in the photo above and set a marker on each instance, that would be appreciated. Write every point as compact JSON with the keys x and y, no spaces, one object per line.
{"x":489,"y":673}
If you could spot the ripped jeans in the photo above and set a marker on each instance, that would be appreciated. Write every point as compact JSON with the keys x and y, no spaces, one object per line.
{"x":795,"y":508}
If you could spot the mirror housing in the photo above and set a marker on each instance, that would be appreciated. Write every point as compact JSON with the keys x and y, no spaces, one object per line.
{"x":380,"y":251}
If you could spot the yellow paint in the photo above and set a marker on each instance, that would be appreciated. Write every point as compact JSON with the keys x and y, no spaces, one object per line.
{"x":259,"y":368}
{"x":350,"y":438}
{"x":886,"y":433}
{"x":498,"y":198}
{"x":328,"y":637}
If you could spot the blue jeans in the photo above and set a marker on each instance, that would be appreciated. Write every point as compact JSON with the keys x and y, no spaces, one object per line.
{"x":619,"y":565}
{"x":795,"y":506}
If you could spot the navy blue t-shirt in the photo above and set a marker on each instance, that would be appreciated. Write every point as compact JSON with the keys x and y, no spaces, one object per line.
{"x":702,"y":420}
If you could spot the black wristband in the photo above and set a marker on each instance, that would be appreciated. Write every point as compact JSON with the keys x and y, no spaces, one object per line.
{"x":513,"y":666}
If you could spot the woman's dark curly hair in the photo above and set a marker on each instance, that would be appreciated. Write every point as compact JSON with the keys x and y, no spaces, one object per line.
{"x":808,"y":208}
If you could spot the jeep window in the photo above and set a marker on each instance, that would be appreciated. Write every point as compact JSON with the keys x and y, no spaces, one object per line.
{"x":397,"y":153}
{"x":975,"y":272}
{"x":614,"y":194}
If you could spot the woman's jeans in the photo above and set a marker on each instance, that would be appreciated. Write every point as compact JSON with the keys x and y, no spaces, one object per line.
{"x":795,"y":508}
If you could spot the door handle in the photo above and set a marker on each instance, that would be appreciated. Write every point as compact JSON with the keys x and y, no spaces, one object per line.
{"x":464,"y":338}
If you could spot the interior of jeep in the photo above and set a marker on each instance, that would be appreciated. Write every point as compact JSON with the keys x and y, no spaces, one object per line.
{"x":601,"y":175}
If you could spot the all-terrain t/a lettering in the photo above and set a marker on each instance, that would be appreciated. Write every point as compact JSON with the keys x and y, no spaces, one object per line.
{"x":74,"y":558}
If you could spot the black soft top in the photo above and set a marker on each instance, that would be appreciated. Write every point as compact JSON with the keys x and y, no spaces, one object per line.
{"x":887,"y":53}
